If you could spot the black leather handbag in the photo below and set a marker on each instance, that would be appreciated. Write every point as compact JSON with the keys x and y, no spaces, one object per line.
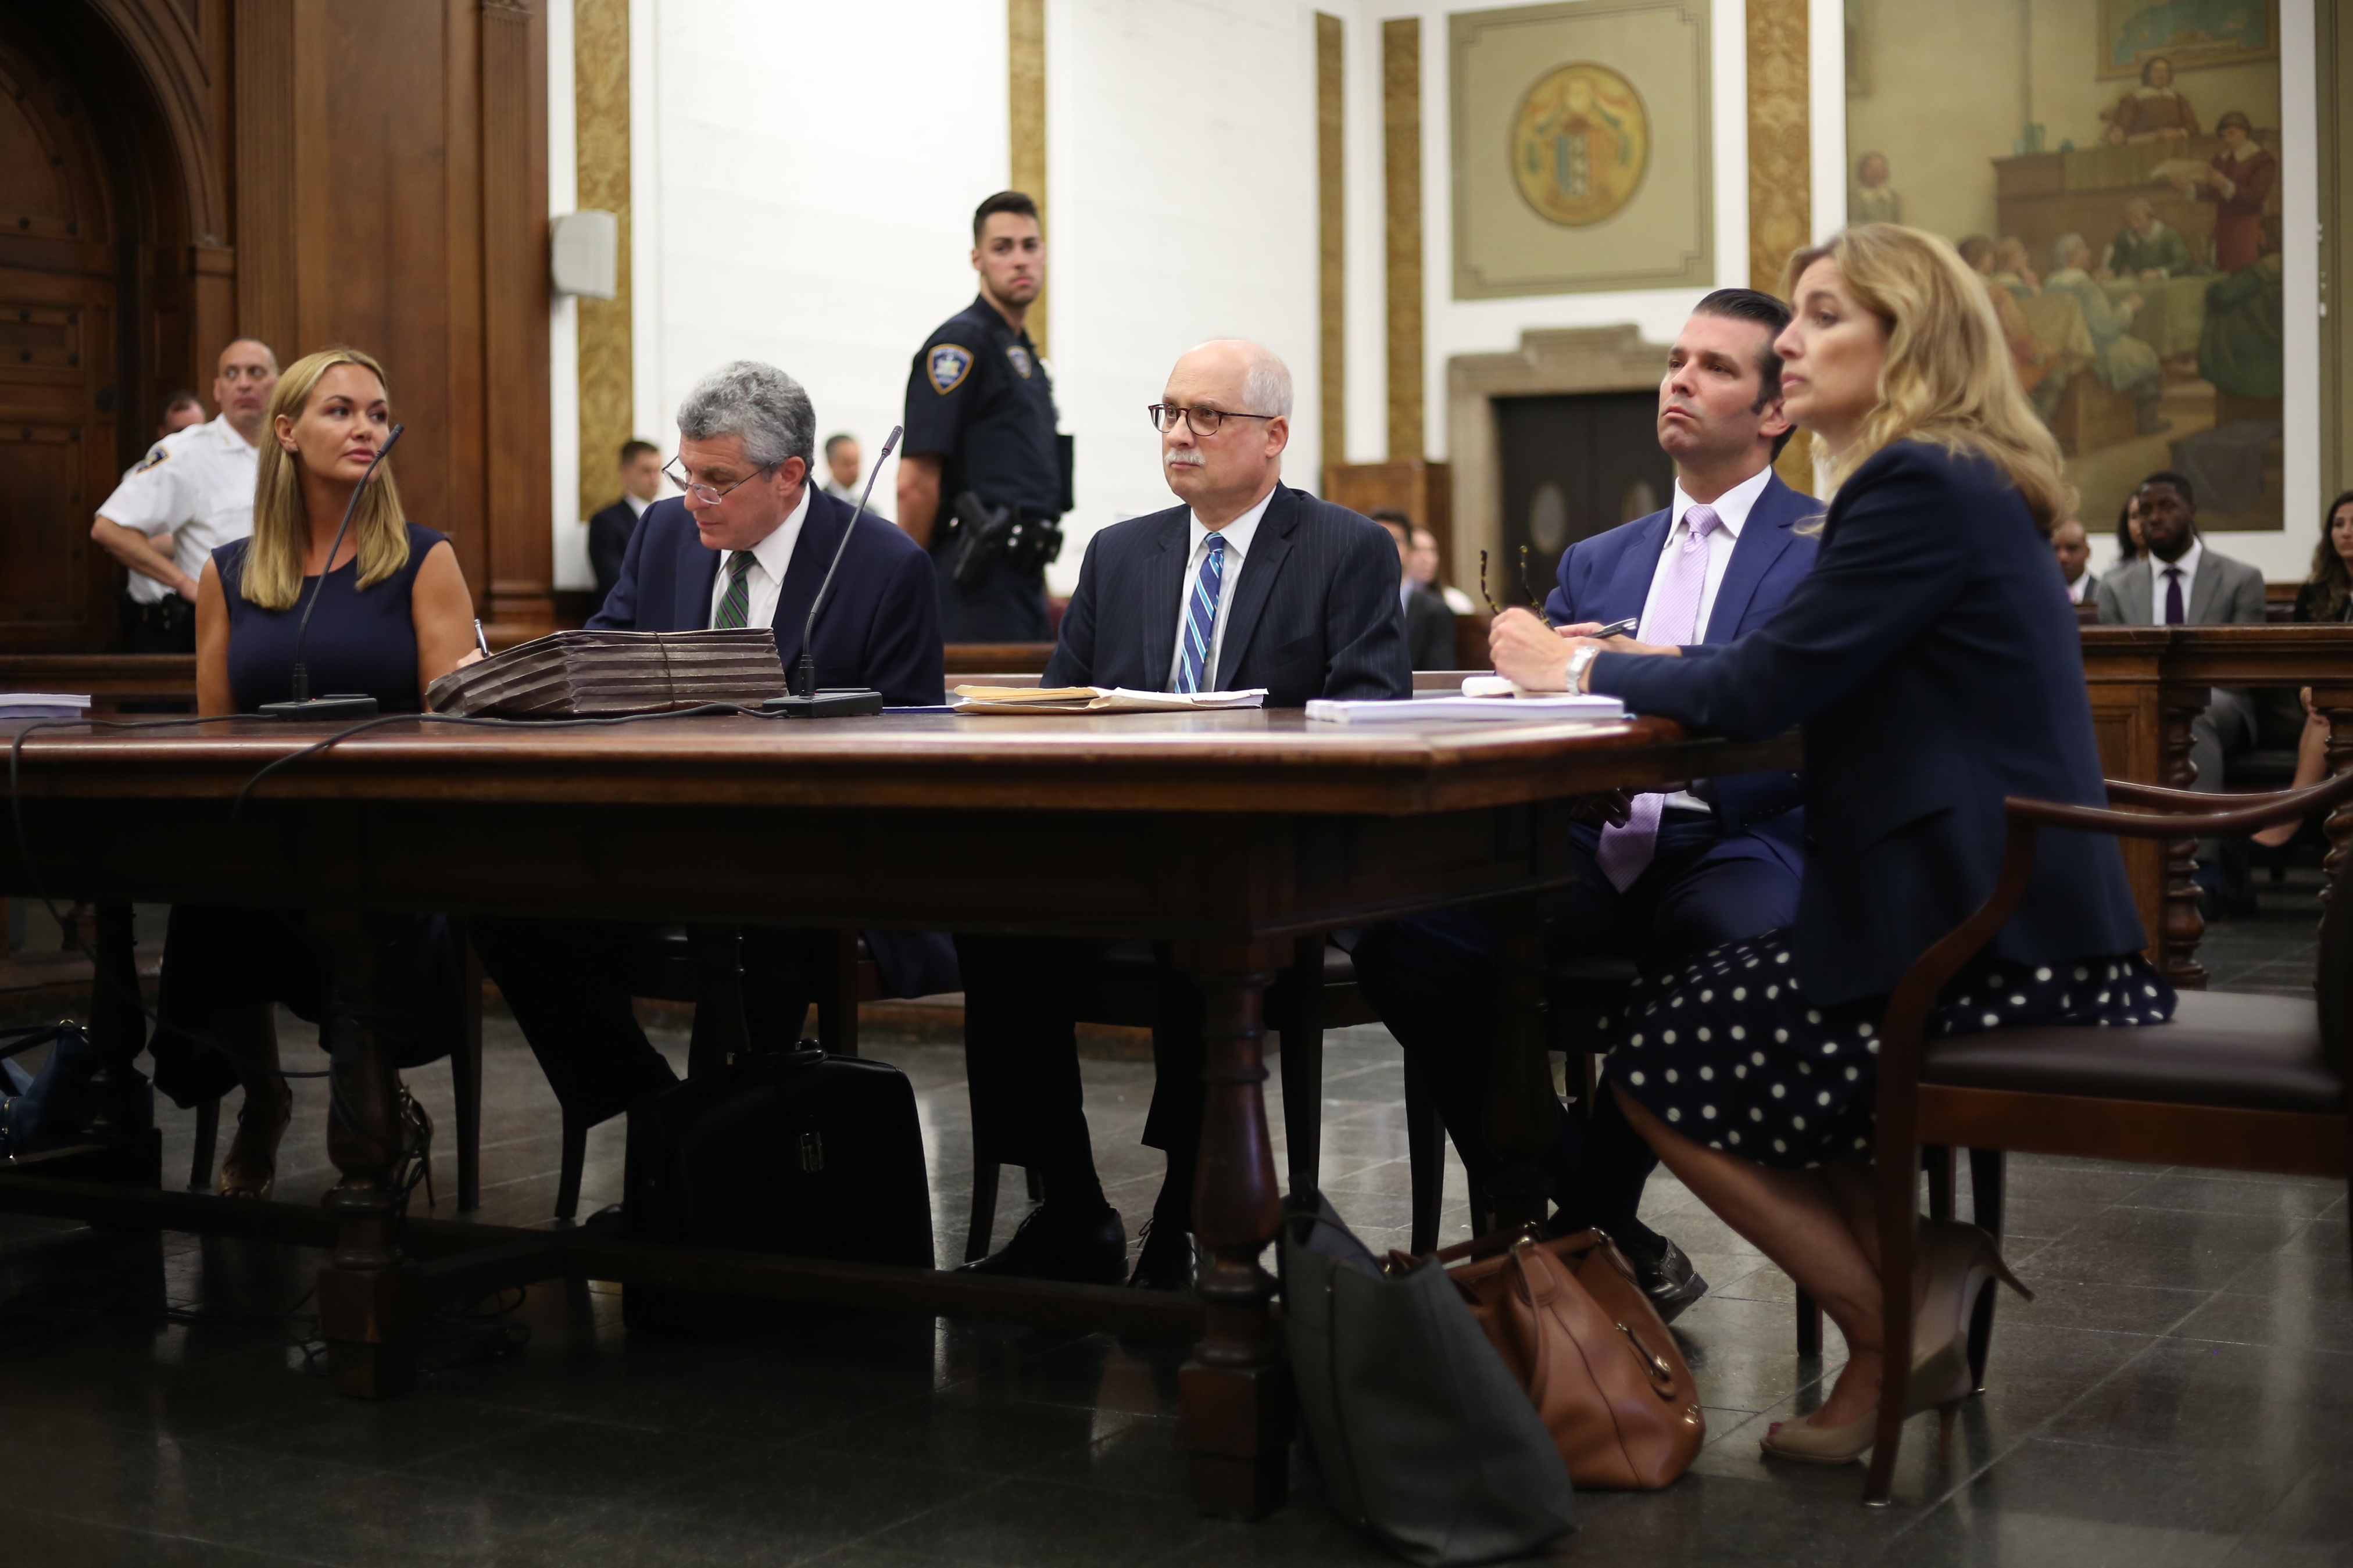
{"x":1421,"y":1433}
{"x":787,"y":1152}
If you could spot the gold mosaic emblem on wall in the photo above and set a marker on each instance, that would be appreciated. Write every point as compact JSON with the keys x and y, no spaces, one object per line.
{"x":1580,"y":144}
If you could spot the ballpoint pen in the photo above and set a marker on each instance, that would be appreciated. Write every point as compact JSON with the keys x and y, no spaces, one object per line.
{"x":481,"y":640}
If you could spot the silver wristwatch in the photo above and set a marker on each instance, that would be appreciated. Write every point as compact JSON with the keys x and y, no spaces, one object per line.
{"x":1580,"y":659}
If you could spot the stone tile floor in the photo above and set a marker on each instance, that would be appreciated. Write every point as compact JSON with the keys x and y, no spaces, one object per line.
{"x":2180,"y":1393}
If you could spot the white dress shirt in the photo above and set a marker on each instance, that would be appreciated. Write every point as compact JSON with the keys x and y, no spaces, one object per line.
{"x":2084,"y":582}
{"x":637,"y":506}
{"x":1239,"y":534}
{"x":195,"y":485}
{"x":2187,"y":566}
{"x":766,"y":580}
{"x":1732,"y":509}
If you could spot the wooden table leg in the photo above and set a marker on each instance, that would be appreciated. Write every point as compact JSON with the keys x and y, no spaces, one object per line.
{"x":721,"y":1032}
{"x":2184,"y":926}
{"x":122,"y":1115}
{"x":1235,"y":1398}
{"x":1520,"y":1098}
{"x":368,"y":1290}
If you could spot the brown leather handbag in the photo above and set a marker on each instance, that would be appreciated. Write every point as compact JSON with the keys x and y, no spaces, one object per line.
{"x":1589,"y":1348}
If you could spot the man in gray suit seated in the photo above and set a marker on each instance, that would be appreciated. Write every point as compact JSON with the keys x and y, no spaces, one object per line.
{"x":2182,"y":582}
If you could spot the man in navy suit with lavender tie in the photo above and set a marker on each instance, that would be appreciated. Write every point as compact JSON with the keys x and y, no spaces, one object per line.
{"x":1659,"y":875}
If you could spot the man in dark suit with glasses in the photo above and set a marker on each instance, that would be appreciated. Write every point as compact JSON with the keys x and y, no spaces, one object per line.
{"x":1248,"y":584}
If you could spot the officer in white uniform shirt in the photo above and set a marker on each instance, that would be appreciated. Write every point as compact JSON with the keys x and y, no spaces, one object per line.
{"x":195,"y":485}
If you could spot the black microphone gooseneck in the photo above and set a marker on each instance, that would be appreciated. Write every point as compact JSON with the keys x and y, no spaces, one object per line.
{"x":804,"y":681}
{"x":805,"y":667}
{"x":301,"y":676}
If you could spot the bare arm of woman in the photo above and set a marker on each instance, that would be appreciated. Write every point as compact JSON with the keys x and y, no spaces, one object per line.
{"x":444,"y":614}
{"x":213,"y":694}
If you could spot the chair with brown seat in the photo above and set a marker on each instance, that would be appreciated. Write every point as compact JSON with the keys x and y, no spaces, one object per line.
{"x":1317,"y":992}
{"x":2235,"y":1082}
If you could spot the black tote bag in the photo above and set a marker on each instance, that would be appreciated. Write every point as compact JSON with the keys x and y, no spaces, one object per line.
{"x":1419,"y":1431}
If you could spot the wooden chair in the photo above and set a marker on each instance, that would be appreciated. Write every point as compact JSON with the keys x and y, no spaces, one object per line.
{"x":2235,"y":1082}
{"x":465,"y":1089}
{"x":1317,"y":992}
{"x":703,"y":965}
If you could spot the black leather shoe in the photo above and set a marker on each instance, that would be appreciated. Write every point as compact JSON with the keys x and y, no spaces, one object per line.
{"x":1669,"y":1280}
{"x":1082,"y":1247}
{"x":1167,"y":1261}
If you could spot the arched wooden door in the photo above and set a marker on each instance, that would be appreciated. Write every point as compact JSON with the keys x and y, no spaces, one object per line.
{"x":61,"y":264}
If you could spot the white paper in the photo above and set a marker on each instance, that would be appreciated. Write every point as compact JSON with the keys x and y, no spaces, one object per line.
{"x":1551,"y":709}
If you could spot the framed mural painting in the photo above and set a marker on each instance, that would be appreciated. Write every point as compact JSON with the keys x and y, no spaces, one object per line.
{"x":1581,"y":148}
{"x":2110,"y":169}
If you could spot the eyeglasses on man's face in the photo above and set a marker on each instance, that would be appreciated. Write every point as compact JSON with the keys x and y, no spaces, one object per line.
{"x":707,"y":494}
{"x":1203,"y":421}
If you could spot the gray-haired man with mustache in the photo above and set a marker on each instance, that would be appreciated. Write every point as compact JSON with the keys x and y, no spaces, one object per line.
{"x":1248,"y":584}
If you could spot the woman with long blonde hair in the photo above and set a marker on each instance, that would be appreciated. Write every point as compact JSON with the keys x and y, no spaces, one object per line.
{"x":392,"y":613}
{"x":1932,"y":662}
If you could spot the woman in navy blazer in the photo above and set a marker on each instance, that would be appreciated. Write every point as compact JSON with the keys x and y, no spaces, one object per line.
{"x":1933,"y":661}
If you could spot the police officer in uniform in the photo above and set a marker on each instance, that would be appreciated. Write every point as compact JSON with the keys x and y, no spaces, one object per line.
{"x":192,"y":493}
{"x":984,"y":479}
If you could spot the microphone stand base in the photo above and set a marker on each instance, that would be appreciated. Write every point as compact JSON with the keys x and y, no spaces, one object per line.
{"x":317,"y":709}
{"x":833,"y":702}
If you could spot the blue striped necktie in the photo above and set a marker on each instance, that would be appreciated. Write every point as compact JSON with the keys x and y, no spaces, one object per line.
{"x":1201,"y":616}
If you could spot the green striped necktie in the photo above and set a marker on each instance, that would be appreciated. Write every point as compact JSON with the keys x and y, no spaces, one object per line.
{"x":736,"y":605}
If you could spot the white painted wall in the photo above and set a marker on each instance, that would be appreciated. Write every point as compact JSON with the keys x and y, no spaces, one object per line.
{"x":790,"y":206}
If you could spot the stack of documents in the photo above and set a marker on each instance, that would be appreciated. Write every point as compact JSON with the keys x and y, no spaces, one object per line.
{"x":595,"y":673}
{"x":1556,"y":707}
{"x":42,"y":705}
{"x":1096,"y":700}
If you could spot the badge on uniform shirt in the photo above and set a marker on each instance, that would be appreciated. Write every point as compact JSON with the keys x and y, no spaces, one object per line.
{"x":155,"y":456}
{"x":947,"y":365}
{"x":1020,"y":358}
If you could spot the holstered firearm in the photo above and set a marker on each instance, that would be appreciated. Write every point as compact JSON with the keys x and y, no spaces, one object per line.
{"x":983,"y":533}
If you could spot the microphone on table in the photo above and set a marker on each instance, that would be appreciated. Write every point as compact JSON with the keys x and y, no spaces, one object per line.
{"x":805,"y":700}
{"x":340,"y":705}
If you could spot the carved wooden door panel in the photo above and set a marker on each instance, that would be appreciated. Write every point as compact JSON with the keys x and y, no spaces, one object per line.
{"x":60,"y":268}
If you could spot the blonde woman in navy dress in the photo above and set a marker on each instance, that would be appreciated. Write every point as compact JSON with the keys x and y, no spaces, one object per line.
{"x":1933,"y":661}
{"x":393,"y":615}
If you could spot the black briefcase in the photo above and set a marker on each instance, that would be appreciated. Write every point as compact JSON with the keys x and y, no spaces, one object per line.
{"x":787,"y":1152}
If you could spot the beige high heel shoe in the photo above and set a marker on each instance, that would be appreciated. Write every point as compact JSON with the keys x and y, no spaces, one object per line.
{"x":1960,"y":1258}
{"x":250,"y":1167}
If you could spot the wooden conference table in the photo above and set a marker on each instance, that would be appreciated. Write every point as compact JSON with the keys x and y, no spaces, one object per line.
{"x":1229,"y":835}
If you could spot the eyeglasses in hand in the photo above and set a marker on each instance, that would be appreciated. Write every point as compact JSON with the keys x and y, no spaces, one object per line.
{"x":1535,"y":600}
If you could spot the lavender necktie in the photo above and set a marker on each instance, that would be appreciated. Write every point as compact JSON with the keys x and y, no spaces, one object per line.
{"x":1672,"y":618}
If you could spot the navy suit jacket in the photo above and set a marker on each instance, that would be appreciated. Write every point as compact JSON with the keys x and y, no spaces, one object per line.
{"x":881,"y":624}
{"x":608,"y":541}
{"x":1316,"y":610}
{"x":1933,"y":657}
{"x":1608,"y":578}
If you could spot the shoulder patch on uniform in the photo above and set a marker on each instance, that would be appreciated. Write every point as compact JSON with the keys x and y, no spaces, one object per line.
{"x":1020,"y":358}
{"x":947,"y":364}
{"x":155,"y":456}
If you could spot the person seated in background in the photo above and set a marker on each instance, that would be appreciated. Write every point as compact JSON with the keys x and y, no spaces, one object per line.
{"x":2013,"y":267}
{"x":2147,"y":248}
{"x":1248,"y":584}
{"x":609,"y":529}
{"x":2129,"y":545}
{"x":2124,"y":362}
{"x":1933,"y":667}
{"x":746,"y":545}
{"x":2325,"y":595}
{"x":845,"y":467}
{"x":2074,"y":549}
{"x":1659,"y":876}
{"x":2182,"y":582}
{"x":1428,"y":624}
{"x":390,"y":615}
{"x":1425,"y":571}
{"x":2033,"y":361}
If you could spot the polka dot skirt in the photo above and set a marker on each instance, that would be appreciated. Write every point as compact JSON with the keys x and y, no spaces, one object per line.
{"x":1726,"y":1050}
